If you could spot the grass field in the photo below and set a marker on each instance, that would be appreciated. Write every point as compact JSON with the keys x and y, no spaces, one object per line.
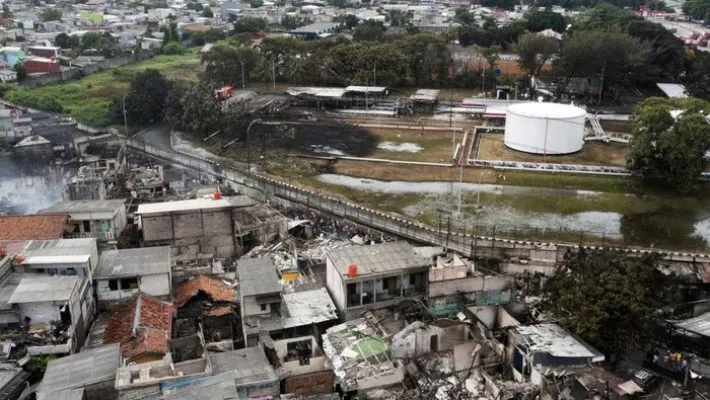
{"x":617,"y":126}
{"x":87,"y":99}
{"x":492,"y":147}
{"x":93,"y":17}
{"x":413,"y":145}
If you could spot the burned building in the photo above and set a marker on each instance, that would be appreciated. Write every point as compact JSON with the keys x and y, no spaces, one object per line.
{"x":212,"y":303}
{"x":221,"y":226}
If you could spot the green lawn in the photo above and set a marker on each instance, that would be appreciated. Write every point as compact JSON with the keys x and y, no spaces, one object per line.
{"x":87,"y":99}
{"x":93,"y":17}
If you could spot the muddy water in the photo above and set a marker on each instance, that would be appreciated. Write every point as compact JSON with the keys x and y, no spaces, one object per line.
{"x":665,"y":227}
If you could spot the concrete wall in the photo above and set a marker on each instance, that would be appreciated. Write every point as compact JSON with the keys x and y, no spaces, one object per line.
{"x":212,"y":230}
{"x":384,"y":379}
{"x":318,"y":382}
{"x":250,"y":307}
{"x":156,"y":285}
{"x":412,"y":342}
{"x":469,"y":285}
{"x":334,"y":282}
{"x":41,"y":312}
{"x":292,"y":368}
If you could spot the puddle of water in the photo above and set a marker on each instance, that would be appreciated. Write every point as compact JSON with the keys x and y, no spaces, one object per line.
{"x":663,"y":228}
{"x":320,"y":149}
{"x":400,"y":147}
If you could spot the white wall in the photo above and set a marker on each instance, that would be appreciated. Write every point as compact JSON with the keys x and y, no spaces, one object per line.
{"x":335,"y":285}
{"x":414,"y":341}
{"x":250,"y":307}
{"x":316,"y":364}
{"x":155,"y":285}
{"x":468,"y":285}
{"x":39,"y":312}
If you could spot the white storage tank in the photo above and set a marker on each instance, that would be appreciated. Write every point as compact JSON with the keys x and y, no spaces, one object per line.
{"x":544,"y":128}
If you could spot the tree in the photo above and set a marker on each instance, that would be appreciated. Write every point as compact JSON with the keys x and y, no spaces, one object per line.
{"x":103,"y":43}
{"x":504,"y":4}
{"x":470,"y":34}
{"x":6,"y":13}
{"x":508,"y":34}
{"x":697,"y":9}
{"x":667,"y":51}
{"x":540,"y":20}
{"x":607,"y":297}
{"x":65,"y":41}
{"x":201,"y":112}
{"x":534,"y":51}
{"x":223,"y":64}
{"x":173,"y":48}
{"x":292,"y":21}
{"x":428,"y":57}
{"x":207,"y":12}
{"x":197,"y":6}
{"x":349,"y":20}
{"x":697,"y":83}
{"x":463,"y":16}
{"x":170,"y":33}
{"x":400,"y":18}
{"x":145,"y":102}
{"x":249,"y":25}
{"x":370,"y":30}
{"x":256,"y":3}
{"x":50,"y":14}
{"x":670,"y":149}
{"x":21,"y":72}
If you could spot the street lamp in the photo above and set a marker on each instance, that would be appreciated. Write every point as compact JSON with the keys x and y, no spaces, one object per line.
{"x":246,"y":143}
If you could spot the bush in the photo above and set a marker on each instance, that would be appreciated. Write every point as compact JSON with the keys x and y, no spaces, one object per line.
{"x":38,"y":100}
{"x":173,"y":48}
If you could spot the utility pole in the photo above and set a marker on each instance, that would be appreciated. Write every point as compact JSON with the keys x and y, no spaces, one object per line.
{"x":483,"y":83}
{"x":243,"y":80}
{"x":374,"y":74}
{"x":125,"y":138}
{"x":601,"y":84}
{"x":273,"y":74}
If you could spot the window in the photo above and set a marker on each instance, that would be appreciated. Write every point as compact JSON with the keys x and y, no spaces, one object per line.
{"x":263,"y":307}
{"x":113,"y":284}
{"x":87,"y":226}
{"x":129,"y":283}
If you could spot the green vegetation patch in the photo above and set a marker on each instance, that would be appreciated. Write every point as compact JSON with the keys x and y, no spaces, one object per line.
{"x":93,"y":17}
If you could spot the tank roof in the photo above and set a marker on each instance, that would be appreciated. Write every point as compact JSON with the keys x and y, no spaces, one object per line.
{"x":546,"y":110}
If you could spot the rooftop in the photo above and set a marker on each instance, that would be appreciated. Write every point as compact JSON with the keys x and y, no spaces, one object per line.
{"x":32,"y":141}
{"x":217,"y":290}
{"x":43,"y":288}
{"x":257,"y":276}
{"x":32,"y":227}
{"x":673,"y":90}
{"x":58,"y":251}
{"x":699,"y":325}
{"x":81,"y":369}
{"x":67,"y":394}
{"x":308,"y":307}
{"x":133,"y":262}
{"x":194,"y":204}
{"x":556,"y":341}
{"x":217,"y":387}
{"x":247,"y":366}
{"x":377,"y":258}
{"x":316,"y":28}
{"x":141,"y":325}
{"x":425,"y":95}
{"x":332,"y":92}
{"x":86,"y":206}
{"x":546,"y":110}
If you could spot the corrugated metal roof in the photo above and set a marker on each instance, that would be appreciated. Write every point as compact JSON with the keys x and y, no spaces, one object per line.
{"x":59,"y":247}
{"x":308,"y":307}
{"x":86,"y":206}
{"x":218,"y":387}
{"x":248,"y":366}
{"x":78,"y":370}
{"x":378,"y":258}
{"x":553,"y":339}
{"x":194,"y":204}
{"x":257,"y":276}
{"x":133,"y":262}
{"x":67,"y":394}
{"x":44,"y":288}
{"x":699,"y":325}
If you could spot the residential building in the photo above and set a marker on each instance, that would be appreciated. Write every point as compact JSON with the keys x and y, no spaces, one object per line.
{"x":455,"y":283}
{"x":366,"y":277}
{"x":220,"y":225}
{"x":102,"y":220}
{"x":539,"y":350}
{"x":217,"y":387}
{"x":12,"y":55}
{"x":93,"y":370}
{"x":35,"y":149}
{"x":259,"y":297}
{"x":212,"y":302}
{"x":253,"y":376}
{"x":8,"y":75}
{"x":58,"y":257}
{"x":316,"y":30}
{"x":301,"y":365}
{"x":229,"y":10}
{"x":122,"y":274}
{"x":41,"y":65}
{"x":32,"y":227}
{"x":143,"y":327}
{"x":44,"y":51}
{"x":60,"y":307}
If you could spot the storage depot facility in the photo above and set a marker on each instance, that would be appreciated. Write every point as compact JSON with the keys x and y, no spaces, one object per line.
{"x":544,"y":128}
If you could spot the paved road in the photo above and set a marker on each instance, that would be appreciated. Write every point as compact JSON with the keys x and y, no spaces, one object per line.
{"x":158,"y":136}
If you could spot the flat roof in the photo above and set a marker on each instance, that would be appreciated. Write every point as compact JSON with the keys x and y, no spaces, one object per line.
{"x":194,"y":204}
{"x":32,"y":141}
{"x":217,"y":387}
{"x":556,"y":341}
{"x":86,"y":206}
{"x":308,"y":307}
{"x":43,"y":288}
{"x":366,"y":89}
{"x":673,"y":90}
{"x":90,"y":366}
{"x":257,"y":276}
{"x":546,"y":110}
{"x":376,"y":258}
{"x":699,"y":325}
{"x":332,"y":92}
{"x":315,"y":28}
{"x":247,"y":366}
{"x":425,"y":95}
{"x":58,"y":251}
{"x":133,"y":262}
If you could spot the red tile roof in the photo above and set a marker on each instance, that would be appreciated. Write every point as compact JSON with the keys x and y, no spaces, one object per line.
{"x":32,"y":227}
{"x":215,"y":289}
{"x":149,"y":333}
{"x":219,"y":311}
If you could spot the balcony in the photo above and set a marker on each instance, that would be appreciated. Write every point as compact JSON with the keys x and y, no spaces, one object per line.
{"x":93,"y":235}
